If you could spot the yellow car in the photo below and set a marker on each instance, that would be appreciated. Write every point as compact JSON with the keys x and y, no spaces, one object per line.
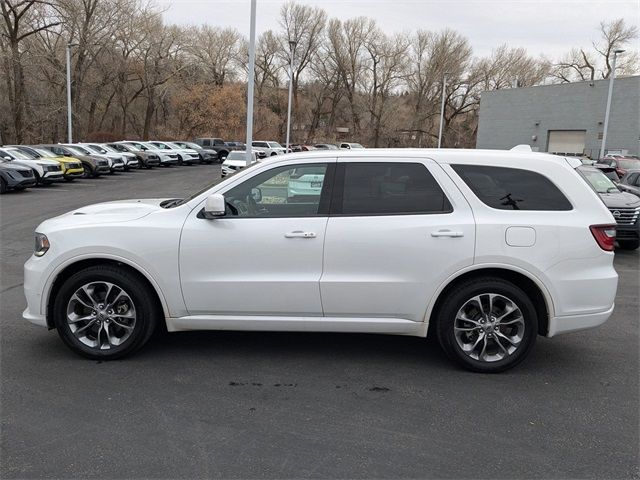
{"x":71,"y":167}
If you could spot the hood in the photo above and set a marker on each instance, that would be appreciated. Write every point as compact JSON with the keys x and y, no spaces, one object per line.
{"x":620,"y":200}
{"x":108,"y":212}
{"x":4,"y":165}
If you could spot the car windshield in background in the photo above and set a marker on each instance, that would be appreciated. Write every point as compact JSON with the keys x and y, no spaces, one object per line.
{"x":356,"y":145}
{"x":78,"y":151}
{"x":628,"y":163}
{"x":238,"y":155}
{"x":195,"y":146}
{"x":176,"y":146}
{"x":598,"y":180}
{"x":97,"y":149}
{"x":46,"y":153}
{"x":18,"y":154}
{"x":274,"y":145}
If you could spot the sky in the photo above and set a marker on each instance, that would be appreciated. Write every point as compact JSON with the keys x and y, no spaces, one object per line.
{"x":549,"y":27}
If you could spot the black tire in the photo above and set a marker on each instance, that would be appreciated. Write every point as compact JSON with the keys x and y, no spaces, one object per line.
{"x":273,"y":154}
{"x":629,"y":244}
{"x":222,"y":156}
{"x":147,"y":310}
{"x":448,"y":311}
{"x":3,"y":185}
{"x":69,"y":179}
{"x":180,"y":162}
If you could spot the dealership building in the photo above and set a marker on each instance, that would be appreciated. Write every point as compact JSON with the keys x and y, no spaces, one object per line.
{"x":566,"y":118}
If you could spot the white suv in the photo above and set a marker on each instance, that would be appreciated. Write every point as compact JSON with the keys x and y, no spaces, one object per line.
{"x":484,"y":249}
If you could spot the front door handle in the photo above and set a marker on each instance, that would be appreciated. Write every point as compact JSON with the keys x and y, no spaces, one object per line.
{"x":447,"y":233}
{"x":300,"y":234}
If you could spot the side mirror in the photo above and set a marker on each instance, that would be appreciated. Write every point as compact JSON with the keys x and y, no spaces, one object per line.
{"x":7,"y":158}
{"x":256,"y":194}
{"x":214,"y":206}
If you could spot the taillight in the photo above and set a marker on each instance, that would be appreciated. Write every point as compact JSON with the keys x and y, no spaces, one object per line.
{"x":605,"y":235}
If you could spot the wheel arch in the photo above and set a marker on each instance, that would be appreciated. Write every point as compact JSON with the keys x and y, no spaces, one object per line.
{"x":80,"y":264}
{"x":531,"y":285}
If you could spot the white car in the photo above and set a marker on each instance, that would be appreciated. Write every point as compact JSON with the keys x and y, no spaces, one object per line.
{"x":269,"y":148}
{"x":187,"y":156}
{"x":350,"y":146}
{"x":45,"y":171}
{"x":167,"y":158}
{"x":305,"y":181}
{"x":237,"y":160}
{"x":486,"y":250}
{"x":116,"y":163}
{"x":129,"y":159}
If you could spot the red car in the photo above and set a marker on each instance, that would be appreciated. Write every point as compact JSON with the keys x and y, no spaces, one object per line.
{"x":621,"y":164}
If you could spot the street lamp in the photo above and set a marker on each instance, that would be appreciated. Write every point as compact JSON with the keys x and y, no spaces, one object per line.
{"x":250,"y":82}
{"x":606,"y":113}
{"x":69,"y":123}
{"x":292,"y":47}
{"x":444,"y":90}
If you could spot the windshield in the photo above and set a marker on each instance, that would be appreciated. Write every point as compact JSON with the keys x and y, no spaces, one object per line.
{"x":628,"y":163}
{"x":19,"y":154}
{"x":356,"y":145}
{"x":599,"y":181}
{"x":176,"y":146}
{"x":274,"y":145}
{"x":191,"y":145}
{"x":98,"y":149}
{"x":78,"y":151}
{"x":46,"y":153}
{"x":108,"y":149}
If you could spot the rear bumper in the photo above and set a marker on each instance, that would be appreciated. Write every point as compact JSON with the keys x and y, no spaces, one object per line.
{"x":574,"y":323}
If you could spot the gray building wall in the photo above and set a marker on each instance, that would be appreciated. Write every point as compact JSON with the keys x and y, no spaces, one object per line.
{"x":508,"y":117}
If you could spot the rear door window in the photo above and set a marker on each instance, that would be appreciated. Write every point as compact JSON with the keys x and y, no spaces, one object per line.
{"x":512,"y":188}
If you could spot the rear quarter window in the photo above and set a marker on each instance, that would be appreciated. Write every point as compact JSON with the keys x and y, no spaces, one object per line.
{"x":506,"y":188}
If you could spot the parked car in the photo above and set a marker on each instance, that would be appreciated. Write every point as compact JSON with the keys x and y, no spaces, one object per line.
{"x":145,"y":159}
{"x":45,"y":171}
{"x":236,"y":161}
{"x":608,"y":171}
{"x":269,"y":148}
{"x":93,"y":165}
{"x":325,"y":146}
{"x":186,"y":156}
{"x":167,"y":158}
{"x":350,"y":146}
{"x":71,"y":167}
{"x":305,"y":181}
{"x":129,"y":160}
{"x":302,"y":148}
{"x":15,"y":177}
{"x":483,"y":249}
{"x":207,"y":155}
{"x":219,"y":145}
{"x":116,"y":164}
{"x":631,"y":182}
{"x":624,"y":206}
{"x":621,"y":164}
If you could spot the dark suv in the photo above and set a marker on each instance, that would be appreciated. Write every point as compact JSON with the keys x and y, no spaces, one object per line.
{"x":624,"y":206}
{"x":15,"y":177}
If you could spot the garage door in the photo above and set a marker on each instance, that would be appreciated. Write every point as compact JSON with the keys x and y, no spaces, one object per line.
{"x":566,"y":142}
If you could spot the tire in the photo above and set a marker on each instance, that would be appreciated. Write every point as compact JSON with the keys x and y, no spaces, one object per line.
{"x":273,"y":154}
{"x":180,"y":162}
{"x":479,"y":329}
{"x":69,"y":179}
{"x":629,"y":244}
{"x":115,"y":341}
{"x":222,"y":156}
{"x":3,"y":185}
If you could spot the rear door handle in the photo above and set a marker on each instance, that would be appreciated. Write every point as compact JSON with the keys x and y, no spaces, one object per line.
{"x":447,"y":233}
{"x":300,"y":234}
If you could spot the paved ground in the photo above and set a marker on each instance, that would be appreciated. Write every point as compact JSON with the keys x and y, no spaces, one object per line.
{"x":255,"y":405}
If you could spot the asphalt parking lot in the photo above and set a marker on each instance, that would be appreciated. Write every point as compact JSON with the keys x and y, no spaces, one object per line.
{"x":258,"y":405}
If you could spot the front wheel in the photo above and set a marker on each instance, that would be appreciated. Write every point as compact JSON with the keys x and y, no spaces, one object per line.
{"x":629,"y":244}
{"x":487,"y":325}
{"x":103,"y":312}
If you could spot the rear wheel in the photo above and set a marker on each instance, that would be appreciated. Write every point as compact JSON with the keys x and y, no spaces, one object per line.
{"x":487,"y":325}
{"x":104,"y":312}
{"x":3,"y":185}
{"x":629,"y":244}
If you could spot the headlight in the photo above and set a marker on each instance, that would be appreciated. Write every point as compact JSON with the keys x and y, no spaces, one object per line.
{"x":42,"y":245}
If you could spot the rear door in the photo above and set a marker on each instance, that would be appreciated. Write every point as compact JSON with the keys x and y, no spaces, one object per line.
{"x":393,"y":237}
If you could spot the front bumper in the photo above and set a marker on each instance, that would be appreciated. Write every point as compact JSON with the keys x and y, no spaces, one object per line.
{"x":132,"y":164}
{"x":103,"y":169}
{"x":628,"y":232}
{"x":73,"y":173}
{"x":19,"y":182}
{"x":117,"y":167}
{"x":34,"y":279}
{"x":53,"y":176}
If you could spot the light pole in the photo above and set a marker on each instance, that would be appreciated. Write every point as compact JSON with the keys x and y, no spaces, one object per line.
{"x":444,"y":90}
{"x":292,"y":47}
{"x":250,"y":82}
{"x":69,"y":122}
{"x":612,"y":77}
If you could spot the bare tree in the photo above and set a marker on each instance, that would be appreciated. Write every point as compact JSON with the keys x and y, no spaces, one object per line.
{"x":582,"y":64}
{"x":218,"y":52}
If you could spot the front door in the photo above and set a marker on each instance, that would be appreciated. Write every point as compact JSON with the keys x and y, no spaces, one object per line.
{"x":264,"y":257}
{"x":393,"y":237}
